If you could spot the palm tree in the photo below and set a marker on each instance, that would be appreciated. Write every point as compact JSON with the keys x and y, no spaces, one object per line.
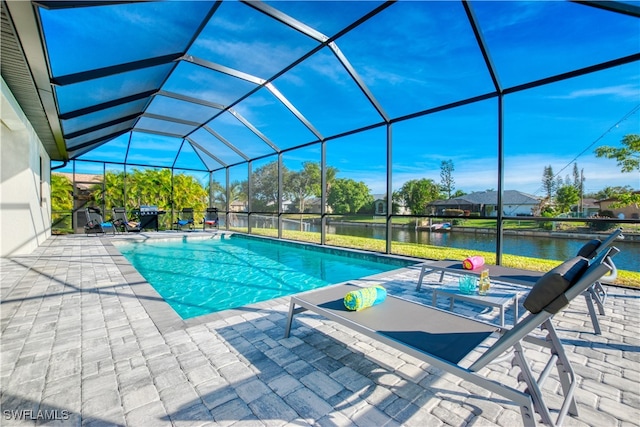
{"x":216,"y":191}
{"x":61,"y":201}
{"x":113,"y":189}
{"x":188,"y":193}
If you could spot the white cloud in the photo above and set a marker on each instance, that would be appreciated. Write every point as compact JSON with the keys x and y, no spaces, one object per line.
{"x":268,"y":58}
{"x":521,"y":13}
{"x":225,"y":120}
{"x":372,"y":76}
{"x":327,"y":65}
{"x":620,"y":91}
{"x":522,"y":173}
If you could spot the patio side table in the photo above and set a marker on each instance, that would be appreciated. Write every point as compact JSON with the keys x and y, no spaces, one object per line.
{"x":493,"y":298}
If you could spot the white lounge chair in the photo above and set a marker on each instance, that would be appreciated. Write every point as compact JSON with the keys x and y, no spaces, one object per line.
{"x":443,"y":339}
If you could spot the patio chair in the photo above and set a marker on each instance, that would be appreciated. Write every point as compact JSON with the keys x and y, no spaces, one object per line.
{"x":95,"y":223}
{"x":185,"y":219}
{"x":454,"y":343}
{"x":210,"y":219}
{"x":595,"y":295}
{"x":120,"y":220}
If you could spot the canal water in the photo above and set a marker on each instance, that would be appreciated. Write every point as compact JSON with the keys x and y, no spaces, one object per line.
{"x":530,"y":246}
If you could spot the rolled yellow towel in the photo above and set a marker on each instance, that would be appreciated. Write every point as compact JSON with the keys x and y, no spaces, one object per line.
{"x":365,"y":297}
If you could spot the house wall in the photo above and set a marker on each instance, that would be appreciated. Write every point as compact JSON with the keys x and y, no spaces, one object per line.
{"x":514,"y":210}
{"x":629,"y":212}
{"x":25,"y":203}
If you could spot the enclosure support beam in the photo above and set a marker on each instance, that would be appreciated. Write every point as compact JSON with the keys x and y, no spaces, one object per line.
{"x":249,"y":195}
{"x":228,"y":191}
{"x":323,"y":192}
{"x":280,"y":194}
{"x":498,"y":87}
{"x":500,"y":223}
{"x":389,"y":188}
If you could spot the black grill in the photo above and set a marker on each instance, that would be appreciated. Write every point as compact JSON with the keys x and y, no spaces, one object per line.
{"x":149,"y":217}
{"x":148,"y":210}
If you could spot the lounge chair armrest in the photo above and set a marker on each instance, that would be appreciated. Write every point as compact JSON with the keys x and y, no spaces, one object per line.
{"x":613,"y":274}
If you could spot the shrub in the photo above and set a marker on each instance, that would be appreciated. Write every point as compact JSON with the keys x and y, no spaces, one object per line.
{"x":547,"y":225}
{"x":453,"y":212}
{"x":603,"y":226}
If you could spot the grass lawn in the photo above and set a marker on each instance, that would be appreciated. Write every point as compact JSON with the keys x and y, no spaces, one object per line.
{"x":520,"y":224}
{"x":625,"y":278}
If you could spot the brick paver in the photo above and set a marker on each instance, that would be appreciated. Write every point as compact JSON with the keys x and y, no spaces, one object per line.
{"x":86,"y":341}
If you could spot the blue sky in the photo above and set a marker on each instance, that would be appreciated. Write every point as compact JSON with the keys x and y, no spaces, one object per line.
{"x":413,"y":56}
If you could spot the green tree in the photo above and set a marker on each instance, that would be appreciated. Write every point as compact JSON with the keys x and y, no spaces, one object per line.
{"x":397,"y":201}
{"x":299,"y":187}
{"x":566,"y":196}
{"x":349,"y":196}
{"x":446,"y":177}
{"x":215,"y":190}
{"x":628,"y":159}
{"x":237,"y":193}
{"x":153,"y":187}
{"x":114,"y":190}
{"x":61,"y":202}
{"x":61,"y":193}
{"x":264,"y":187}
{"x":189,"y":193}
{"x":149,"y":187}
{"x":306,"y":183}
{"x":610,"y":192}
{"x":331,"y":174}
{"x":578,"y":182}
{"x":97,"y":196}
{"x":577,"y":176}
{"x":417,"y":193}
{"x":628,"y":156}
{"x":548,"y":181}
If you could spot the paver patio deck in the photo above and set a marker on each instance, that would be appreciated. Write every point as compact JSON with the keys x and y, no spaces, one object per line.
{"x":87,"y":341}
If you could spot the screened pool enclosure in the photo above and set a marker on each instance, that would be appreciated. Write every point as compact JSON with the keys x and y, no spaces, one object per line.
{"x":307,"y":120}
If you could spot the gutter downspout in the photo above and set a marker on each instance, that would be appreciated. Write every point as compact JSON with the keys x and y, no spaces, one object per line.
{"x":64,"y":163}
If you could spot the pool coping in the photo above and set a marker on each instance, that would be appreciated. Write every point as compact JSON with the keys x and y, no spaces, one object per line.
{"x":165,"y":317}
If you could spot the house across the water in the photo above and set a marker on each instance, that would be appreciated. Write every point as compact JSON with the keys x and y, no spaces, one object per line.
{"x":484,"y":203}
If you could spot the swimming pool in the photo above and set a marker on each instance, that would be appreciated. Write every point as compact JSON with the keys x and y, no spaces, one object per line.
{"x":202,"y":276}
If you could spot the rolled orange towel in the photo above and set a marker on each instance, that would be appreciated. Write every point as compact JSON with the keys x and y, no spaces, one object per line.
{"x":473,"y":262}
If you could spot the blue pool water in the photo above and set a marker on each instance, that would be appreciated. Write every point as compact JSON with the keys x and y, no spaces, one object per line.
{"x":198,"y":277}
